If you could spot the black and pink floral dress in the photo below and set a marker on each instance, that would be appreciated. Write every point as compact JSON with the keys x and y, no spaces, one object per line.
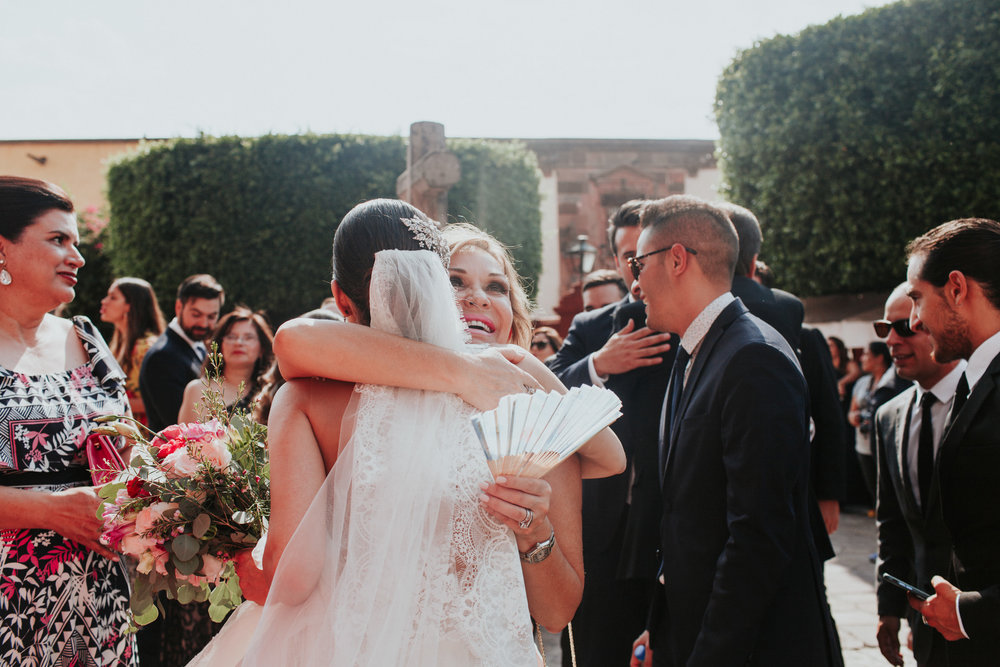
{"x":61,"y":605}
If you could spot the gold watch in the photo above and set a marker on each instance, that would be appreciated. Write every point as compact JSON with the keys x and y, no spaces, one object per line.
{"x":540,"y":551}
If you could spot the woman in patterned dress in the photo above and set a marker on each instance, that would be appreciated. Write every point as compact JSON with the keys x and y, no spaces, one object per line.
{"x":63,"y":595}
{"x":131,"y":307}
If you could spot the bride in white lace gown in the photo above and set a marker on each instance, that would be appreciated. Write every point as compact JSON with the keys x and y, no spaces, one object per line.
{"x":396,"y":558}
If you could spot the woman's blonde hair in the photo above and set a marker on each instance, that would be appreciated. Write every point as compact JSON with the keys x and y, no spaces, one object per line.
{"x":462,"y":235}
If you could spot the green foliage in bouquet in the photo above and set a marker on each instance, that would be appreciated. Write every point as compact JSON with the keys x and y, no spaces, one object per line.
{"x":191,"y":497}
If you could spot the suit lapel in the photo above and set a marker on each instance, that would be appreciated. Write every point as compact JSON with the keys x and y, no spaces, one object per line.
{"x":700,"y":361}
{"x":902,"y":437}
{"x":955,"y":434}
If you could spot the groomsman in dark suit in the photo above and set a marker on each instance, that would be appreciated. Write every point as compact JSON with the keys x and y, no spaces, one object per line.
{"x":785,"y":312}
{"x":741,"y":580}
{"x":612,"y":347}
{"x":913,"y":543}
{"x":954,"y":281}
{"x":176,"y":357}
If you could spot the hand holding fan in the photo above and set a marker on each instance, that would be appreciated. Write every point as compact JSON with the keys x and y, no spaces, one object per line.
{"x":527,"y":435}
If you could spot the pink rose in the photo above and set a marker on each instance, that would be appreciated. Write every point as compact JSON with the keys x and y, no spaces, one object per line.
{"x":211,"y":568}
{"x":216,"y":452}
{"x":151,"y":514}
{"x":180,"y":464}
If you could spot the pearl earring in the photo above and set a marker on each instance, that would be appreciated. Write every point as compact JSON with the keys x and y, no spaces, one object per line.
{"x":5,"y":278}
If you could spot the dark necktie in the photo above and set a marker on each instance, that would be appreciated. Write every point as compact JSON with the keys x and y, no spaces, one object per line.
{"x":961,"y":393}
{"x":925,"y":450}
{"x":677,"y":385}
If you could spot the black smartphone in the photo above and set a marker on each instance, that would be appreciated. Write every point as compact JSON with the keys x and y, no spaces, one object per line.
{"x":909,"y":588}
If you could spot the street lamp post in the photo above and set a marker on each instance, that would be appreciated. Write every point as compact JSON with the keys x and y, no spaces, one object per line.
{"x":584,"y":253}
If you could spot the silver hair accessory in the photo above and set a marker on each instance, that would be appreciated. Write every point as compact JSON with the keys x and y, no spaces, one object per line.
{"x":428,"y":236}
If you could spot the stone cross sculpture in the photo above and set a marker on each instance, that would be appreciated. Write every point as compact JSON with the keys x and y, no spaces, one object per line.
{"x":431,"y":169}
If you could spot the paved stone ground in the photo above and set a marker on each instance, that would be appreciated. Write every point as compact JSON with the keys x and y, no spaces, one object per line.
{"x":850,"y":583}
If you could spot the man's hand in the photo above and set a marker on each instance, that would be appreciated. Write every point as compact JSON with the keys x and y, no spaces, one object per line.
{"x":647,"y":655}
{"x":888,"y":639}
{"x":939,"y":610}
{"x":830,"y":509}
{"x":628,"y":350}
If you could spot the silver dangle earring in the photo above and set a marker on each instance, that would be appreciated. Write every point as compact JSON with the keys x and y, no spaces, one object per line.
{"x":5,"y":278}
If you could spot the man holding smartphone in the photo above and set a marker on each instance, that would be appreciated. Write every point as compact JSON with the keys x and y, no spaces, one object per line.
{"x":913,"y":543}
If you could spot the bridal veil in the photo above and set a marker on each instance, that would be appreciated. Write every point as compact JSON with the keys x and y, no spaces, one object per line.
{"x":395,"y":562}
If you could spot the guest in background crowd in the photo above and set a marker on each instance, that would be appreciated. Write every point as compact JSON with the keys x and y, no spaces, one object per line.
{"x":244,"y":340}
{"x":871,"y":391}
{"x":131,"y":308}
{"x":545,"y":341}
{"x":601,"y":288}
{"x":785,"y":312}
{"x":847,"y":369}
{"x":174,"y":360}
{"x":913,"y":543}
{"x":612,"y":347}
{"x":954,"y":282}
{"x":65,"y":596}
{"x":176,"y":357}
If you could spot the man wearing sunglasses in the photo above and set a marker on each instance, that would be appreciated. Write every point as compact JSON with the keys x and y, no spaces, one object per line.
{"x":913,"y":542}
{"x":740,"y":577}
{"x":954,"y":282}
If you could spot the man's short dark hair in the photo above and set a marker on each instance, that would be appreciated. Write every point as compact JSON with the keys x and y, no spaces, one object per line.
{"x":604,"y":277}
{"x":200,"y":286}
{"x":969,"y":245}
{"x":699,"y":226}
{"x":626,"y":215}
{"x":748,"y":230}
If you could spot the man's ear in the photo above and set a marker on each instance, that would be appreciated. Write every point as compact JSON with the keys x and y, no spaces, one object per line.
{"x":178,"y":306}
{"x":678,"y":258}
{"x":344,"y":303}
{"x":956,"y":289}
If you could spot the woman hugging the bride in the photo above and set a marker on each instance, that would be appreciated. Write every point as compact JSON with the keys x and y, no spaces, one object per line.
{"x":389,"y":541}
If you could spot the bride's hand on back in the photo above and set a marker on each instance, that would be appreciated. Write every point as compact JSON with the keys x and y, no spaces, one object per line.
{"x":510,"y":499}
{"x":492,"y":374}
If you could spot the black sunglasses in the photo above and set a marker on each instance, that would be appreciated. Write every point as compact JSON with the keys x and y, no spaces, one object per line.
{"x":540,"y":344}
{"x":901,"y":327}
{"x":635,"y":262}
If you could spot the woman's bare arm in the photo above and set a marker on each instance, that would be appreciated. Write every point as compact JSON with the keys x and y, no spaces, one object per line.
{"x":356,"y":353}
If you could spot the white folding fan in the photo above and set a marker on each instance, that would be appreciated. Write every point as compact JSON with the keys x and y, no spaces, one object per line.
{"x":527,"y":435}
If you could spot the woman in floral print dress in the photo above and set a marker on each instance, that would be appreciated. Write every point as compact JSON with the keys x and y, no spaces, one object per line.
{"x":63,"y":595}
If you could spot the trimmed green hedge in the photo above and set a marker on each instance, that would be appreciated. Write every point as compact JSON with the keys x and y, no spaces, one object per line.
{"x":853,"y":137}
{"x":259,"y":214}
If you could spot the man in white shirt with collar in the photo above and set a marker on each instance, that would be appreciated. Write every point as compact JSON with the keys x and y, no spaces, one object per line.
{"x":176,"y":357}
{"x":954,"y":282}
{"x":913,"y":543}
{"x":741,"y":580}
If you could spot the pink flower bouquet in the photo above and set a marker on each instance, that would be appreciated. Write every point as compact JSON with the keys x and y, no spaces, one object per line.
{"x":192,"y":495}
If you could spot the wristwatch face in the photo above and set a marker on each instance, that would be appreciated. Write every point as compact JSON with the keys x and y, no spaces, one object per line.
{"x":540,"y":551}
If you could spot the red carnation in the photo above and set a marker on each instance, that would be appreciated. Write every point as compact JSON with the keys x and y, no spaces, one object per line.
{"x":137,"y":488}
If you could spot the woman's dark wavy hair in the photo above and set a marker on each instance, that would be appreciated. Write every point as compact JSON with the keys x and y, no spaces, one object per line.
{"x":22,"y":200}
{"x":265,"y":336}
{"x":144,"y":318}
{"x":366,"y":229}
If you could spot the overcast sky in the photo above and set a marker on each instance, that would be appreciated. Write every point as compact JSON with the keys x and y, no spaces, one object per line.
{"x":507,"y":68}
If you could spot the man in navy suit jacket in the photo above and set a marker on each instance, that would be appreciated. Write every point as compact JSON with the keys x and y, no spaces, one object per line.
{"x":176,"y":357}
{"x":741,"y":580}
{"x":612,"y":347}
{"x":954,"y":282}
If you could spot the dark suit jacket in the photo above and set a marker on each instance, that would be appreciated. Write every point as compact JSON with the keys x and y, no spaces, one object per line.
{"x":169,"y":365}
{"x":785,"y":312}
{"x":968,"y":465}
{"x":911,"y":545}
{"x":619,"y":539}
{"x":743,"y":583}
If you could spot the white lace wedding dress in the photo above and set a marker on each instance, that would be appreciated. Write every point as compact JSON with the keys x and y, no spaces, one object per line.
{"x":395,"y":563}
